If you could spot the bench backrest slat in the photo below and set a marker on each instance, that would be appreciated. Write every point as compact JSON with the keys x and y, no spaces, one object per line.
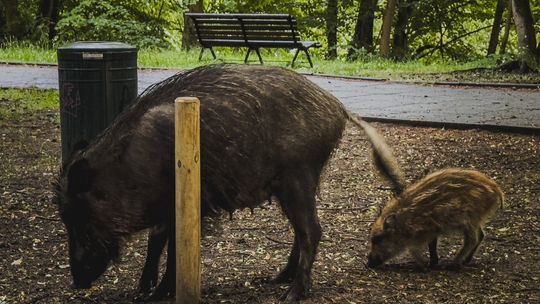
{"x":267,"y":27}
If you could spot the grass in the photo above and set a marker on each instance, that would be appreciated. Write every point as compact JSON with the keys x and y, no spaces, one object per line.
{"x":367,"y":66}
{"x":26,"y":52}
{"x":15,"y":102}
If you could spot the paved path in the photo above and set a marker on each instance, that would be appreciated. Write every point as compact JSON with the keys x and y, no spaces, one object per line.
{"x":380,"y":100}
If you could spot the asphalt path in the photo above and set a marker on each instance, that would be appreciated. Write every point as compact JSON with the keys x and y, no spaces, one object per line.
{"x":488,"y":107}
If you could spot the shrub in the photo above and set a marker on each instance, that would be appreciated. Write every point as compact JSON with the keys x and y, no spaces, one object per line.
{"x":95,"y":20}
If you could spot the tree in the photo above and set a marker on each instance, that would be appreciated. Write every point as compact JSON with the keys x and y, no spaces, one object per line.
{"x":400,"y":44}
{"x":363,"y":31}
{"x":387,"y":28}
{"x":523,"y":19}
{"x":48,"y":15}
{"x":507,"y":26}
{"x":331,"y":28}
{"x":189,"y":38}
{"x":15,"y":25}
{"x":496,"y":28}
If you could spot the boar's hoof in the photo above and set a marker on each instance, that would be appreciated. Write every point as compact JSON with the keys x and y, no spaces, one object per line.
{"x":146,"y":285}
{"x":294,"y":294}
{"x":421,"y":268}
{"x":374,"y":262}
{"x":283,"y":277}
{"x":164,"y":290}
{"x":453,"y":266}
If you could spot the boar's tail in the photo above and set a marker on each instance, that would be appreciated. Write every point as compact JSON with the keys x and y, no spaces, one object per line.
{"x":385,"y":161}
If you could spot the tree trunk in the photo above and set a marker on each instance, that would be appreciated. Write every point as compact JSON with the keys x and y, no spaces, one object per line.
{"x":189,"y":37}
{"x":507,"y":26}
{"x":526,"y":34}
{"x":387,"y":28}
{"x":400,"y":48}
{"x":363,"y":31}
{"x":48,"y":13}
{"x":15,"y":26}
{"x":496,"y":29}
{"x":331,"y":28}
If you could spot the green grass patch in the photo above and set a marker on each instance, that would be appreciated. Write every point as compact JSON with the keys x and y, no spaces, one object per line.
{"x":14,"y":102}
{"x":24,"y":52}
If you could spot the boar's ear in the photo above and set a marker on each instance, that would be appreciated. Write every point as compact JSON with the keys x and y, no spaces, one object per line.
{"x":390,"y":222}
{"x":80,"y":177}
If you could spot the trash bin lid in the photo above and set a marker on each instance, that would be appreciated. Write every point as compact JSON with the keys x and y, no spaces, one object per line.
{"x":96,"y":46}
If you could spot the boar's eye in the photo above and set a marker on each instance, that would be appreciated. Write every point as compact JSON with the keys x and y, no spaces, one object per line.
{"x":377,"y":239}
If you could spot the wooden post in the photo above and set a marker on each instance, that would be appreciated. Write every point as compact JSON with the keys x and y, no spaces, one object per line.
{"x":188,"y":200}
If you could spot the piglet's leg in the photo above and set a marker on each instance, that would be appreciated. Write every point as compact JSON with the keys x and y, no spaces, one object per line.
{"x":470,"y":243}
{"x":433,"y":256}
{"x":480,"y":239}
{"x":418,"y":255}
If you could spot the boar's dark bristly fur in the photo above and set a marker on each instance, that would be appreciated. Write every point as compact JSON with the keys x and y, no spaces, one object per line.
{"x":265,"y":133}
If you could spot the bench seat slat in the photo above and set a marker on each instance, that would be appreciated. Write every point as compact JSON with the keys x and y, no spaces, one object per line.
{"x":252,"y":16}
{"x":247,"y":37}
{"x":247,"y":27}
{"x":260,"y":43}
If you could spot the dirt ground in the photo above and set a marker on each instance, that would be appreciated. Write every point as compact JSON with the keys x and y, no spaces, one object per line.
{"x":239,"y":254}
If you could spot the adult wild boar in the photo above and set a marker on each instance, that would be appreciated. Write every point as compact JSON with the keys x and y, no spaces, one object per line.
{"x":265,"y":132}
{"x":447,"y":201}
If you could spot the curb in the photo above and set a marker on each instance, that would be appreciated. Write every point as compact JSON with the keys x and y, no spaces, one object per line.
{"x":457,"y":126}
{"x":529,"y":86}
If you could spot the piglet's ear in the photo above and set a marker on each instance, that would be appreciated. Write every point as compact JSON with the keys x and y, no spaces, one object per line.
{"x":80,"y":177}
{"x":390,"y":222}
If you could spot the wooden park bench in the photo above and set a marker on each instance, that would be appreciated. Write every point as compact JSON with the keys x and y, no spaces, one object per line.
{"x":253,"y":31}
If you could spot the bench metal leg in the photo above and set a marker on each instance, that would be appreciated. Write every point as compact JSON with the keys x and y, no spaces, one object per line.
{"x":200,"y":54}
{"x":308,"y":58}
{"x":296,"y":56}
{"x":259,"y":54}
{"x":211,"y":51}
{"x":247,"y":56}
{"x":249,"y":52}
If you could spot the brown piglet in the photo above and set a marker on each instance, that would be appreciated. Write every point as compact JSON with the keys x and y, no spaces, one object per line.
{"x":444,"y":202}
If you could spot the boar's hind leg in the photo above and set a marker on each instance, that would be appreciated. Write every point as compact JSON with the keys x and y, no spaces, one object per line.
{"x":480,"y":239}
{"x":297,"y":199}
{"x":157,"y":238}
{"x":472,"y":237}
{"x":287,"y":274}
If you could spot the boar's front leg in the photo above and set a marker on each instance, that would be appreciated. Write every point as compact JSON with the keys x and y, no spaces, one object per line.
{"x":157,"y":238}
{"x":167,"y":286}
{"x":297,"y":199}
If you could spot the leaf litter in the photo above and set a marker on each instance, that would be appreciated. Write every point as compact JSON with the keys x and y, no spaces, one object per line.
{"x":241,"y":255}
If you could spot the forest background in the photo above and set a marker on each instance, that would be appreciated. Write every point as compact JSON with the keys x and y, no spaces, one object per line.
{"x":503,"y":31}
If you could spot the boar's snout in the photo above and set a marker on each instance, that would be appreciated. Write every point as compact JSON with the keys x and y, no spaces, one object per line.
{"x":374,"y":261}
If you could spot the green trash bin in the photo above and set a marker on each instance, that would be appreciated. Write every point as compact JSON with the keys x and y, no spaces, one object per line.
{"x":97,"y":81}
